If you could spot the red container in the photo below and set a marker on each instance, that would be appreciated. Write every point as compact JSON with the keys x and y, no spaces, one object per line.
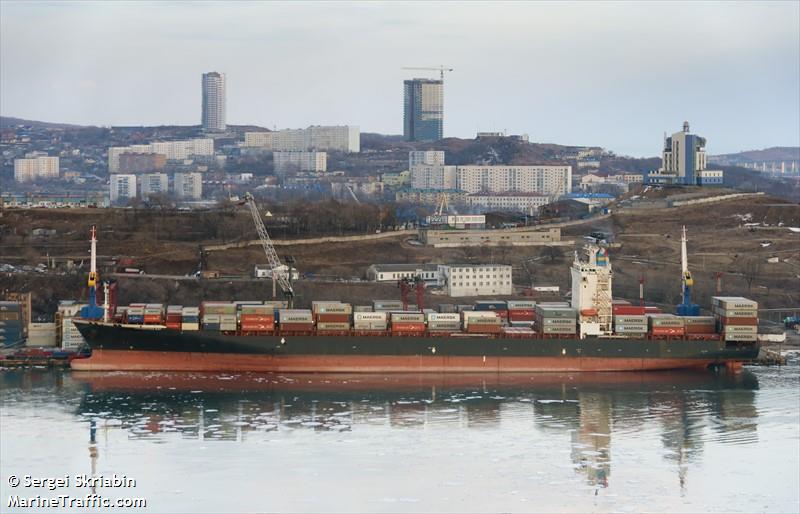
{"x":408,"y":326}
{"x":667,"y":331}
{"x":476,"y":328}
{"x":750,"y":322}
{"x":257,"y":318}
{"x":652,"y":310}
{"x":297,"y":327}
{"x":327,"y":317}
{"x":628,"y":310}
{"x":257,"y":327}
{"x":152,"y":318}
{"x":173,"y":325}
{"x":700,"y":329}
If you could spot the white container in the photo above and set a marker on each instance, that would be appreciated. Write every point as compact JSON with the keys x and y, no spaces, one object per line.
{"x":436,"y":316}
{"x":369,"y":316}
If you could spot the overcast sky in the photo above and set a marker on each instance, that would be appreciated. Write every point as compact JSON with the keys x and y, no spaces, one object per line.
{"x":611,"y":74}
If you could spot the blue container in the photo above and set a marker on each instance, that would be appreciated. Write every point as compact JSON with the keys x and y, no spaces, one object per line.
{"x":135,"y":319}
{"x":491,"y":305}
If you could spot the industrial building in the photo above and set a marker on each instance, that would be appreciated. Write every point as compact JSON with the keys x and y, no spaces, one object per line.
{"x":122,"y":187}
{"x":344,"y":138}
{"x":293,"y":162}
{"x":510,"y":237}
{"x":34,"y":166}
{"x":213,"y":91}
{"x":394,"y":272}
{"x":510,"y":201}
{"x":684,"y":161}
{"x":423,"y":109}
{"x":476,"y":279}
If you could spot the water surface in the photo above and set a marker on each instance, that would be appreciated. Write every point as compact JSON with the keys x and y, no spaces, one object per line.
{"x":629,"y":442}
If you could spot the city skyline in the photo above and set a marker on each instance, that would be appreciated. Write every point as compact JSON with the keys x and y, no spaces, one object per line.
{"x":607,"y":74}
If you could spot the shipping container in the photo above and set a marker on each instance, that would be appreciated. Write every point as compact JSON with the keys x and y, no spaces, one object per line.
{"x":434,"y":317}
{"x":407,"y":317}
{"x":408,"y":327}
{"x":556,"y":321}
{"x":736,"y":336}
{"x":484,"y":328}
{"x":490,"y":305}
{"x":736,"y":313}
{"x":667,"y":331}
{"x":387,"y":305}
{"x":333,"y":326}
{"x":190,"y":326}
{"x":733,"y":303}
{"x":370,"y":316}
{"x":738,"y":321}
{"x":627,"y":310}
{"x":742,"y":329}
{"x":521,"y":304}
{"x":446,"y":308}
{"x":297,"y":326}
{"x":332,"y":318}
{"x":665,"y":320}
{"x":331,"y":308}
{"x":449,"y":326}
{"x":558,"y":329}
{"x":295,"y":316}
{"x":362,"y":308}
{"x":545,"y":311}
{"x":369,"y":326}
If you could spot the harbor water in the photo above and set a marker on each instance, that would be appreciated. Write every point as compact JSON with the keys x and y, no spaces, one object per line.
{"x":590,"y":442}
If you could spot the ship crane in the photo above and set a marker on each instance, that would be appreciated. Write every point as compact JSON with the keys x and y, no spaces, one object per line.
{"x":686,"y":307}
{"x":281,"y":274}
{"x":93,"y":311}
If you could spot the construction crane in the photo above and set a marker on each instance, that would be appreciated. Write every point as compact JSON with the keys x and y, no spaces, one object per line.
{"x":442,"y":200}
{"x":281,"y":274}
{"x":686,"y":307}
{"x":441,"y":69}
{"x":353,"y":193}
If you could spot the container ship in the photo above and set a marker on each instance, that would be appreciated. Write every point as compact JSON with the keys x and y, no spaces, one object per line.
{"x":591,"y":333}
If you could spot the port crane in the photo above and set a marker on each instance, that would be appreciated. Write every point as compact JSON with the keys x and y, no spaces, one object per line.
{"x":281,"y":274}
{"x":441,"y":69}
{"x":92,"y":310}
{"x":686,"y":307}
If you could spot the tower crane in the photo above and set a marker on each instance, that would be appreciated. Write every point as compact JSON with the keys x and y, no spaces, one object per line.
{"x":686,"y":307}
{"x":281,"y":274}
{"x":441,"y":69}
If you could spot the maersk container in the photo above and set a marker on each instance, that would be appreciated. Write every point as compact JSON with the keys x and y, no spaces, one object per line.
{"x":491,"y":305}
{"x":558,"y":329}
{"x":369,"y":316}
{"x":733,"y":303}
{"x":211,"y":318}
{"x":665,"y":321}
{"x":547,"y":311}
{"x":362,"y":308}
{"x":444,"y":326}
{"x":630,"y":320}
{"x":698,"y":320}
{"x":434,"y":316}
{"x":331,"y":308}
{"x":735,"y":336}
{"x":369,"y":325}
{"x":387,"y":305}
{"x":564,"y":322}
{"x":740,"y":329}
{"x":736,"y":313}
{"x":407,"y":317}
{"x":521,"y":304}
{"x":333,"y":326}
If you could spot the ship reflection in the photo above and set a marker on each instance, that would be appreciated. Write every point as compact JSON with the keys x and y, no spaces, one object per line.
{"x":687,"y":408}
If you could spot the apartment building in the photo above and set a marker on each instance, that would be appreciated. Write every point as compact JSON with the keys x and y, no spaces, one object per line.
{"x":122,"y":187}
{"x":35,"y":166}
{"x":344,"y":138}
{"x":188,"y":186}
{"x":476,"y":279}
{"x":294,"y":162}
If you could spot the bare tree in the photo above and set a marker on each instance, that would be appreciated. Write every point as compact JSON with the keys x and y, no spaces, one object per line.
{"x":553,"y":253}
{"x":751,"y":271}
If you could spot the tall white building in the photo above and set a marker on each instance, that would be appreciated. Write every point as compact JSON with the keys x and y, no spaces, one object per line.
{"x":548,"y":180}
{"x":188,"y":185}
{"x":172,"y":150}
{"x":436,"y":176}
{"x":213,"y":116}
{"x":476,"y":279}
{"x":286,"y":162}
{"x":684,"y":161}
{"x":153,"y":183}
{"x":34,"y":167}
{"x":510,"y":201}
{"x":343,"y":138}
{"x":426,"y":157}
{"x":122,"y":187}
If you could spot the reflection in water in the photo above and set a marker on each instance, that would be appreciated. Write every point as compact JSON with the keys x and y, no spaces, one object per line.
{"x":587,"y":409}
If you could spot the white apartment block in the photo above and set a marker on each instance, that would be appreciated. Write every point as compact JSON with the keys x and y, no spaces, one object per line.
{"x":435,"y":176}
{"x":153,"y":183}
{"x":286,"y":162}
{"x":476,"y":279}
{"x":213,"y":109}
{"x":34,"y":167}
{"x":344,"y":138}
{"x":511,"y":201}
{"x":173,"y":150}
{"x":188,"y":185}
{"x":123,"y":187}
{"x":426,"y":157}
{"x":547,"y":180}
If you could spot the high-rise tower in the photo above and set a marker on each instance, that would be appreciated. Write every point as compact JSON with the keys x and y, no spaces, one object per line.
{"x":423,"y":109}
{"x":213,"y":118}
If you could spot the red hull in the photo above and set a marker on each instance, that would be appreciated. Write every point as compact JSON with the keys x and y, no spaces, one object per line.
{"x":132,"y":360}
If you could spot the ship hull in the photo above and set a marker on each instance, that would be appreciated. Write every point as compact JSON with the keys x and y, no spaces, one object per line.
{"x":127,"y":348}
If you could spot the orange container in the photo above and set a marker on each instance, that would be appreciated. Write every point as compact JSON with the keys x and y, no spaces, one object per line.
{"x":297,"y":327}
{"x":700,"y":329}
{"x":257,"y":318}
{"x":667,"y":331}
{"x":476,"y":328}
{"x":258,"y":327}
{"x":750,"y":322}
{"x":152,"y":318}
{"x":408,"y":326}
{"x":333,"y":317}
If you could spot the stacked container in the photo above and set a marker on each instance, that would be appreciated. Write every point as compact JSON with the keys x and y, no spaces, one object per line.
{"x":174,"y":316}
{"x":332,"y":316}
{"x":498,"y":306}
{"x":386,"y":305}
{"x":190,"y":318}
{"x":464,"y":308}
{"x":41,"y":334}
{"x":135,"y":314}
{"x":408,"y":322}
{"x":633,"y":325}
{"x":556,"y":319}
{"x":211,"y":322}
{"x":295,"y":320}
{"x":447,"y":308}
{"x":369,"y":321}
{"x":443,"y":322}
{"x":257,"y":318}
{"x":227,"y":322}
{"x":70,"y":336}
{"x":521,"y":312}
{"x":736,"y":317}
{"x":362,"y":308}
{"x":666,"y":325}
{"x":699,"y":325}
{"x":482,"y":322}
{"x":153,"y":314}
{"x":10,"y":323}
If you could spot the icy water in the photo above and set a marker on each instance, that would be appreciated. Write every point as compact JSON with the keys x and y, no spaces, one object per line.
{"x":652,"y":442}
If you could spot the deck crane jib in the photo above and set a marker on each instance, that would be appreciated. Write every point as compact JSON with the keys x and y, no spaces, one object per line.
{"x":281,"y":274}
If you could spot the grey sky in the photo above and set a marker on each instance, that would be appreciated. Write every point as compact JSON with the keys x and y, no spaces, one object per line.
{"x":611,"y":74}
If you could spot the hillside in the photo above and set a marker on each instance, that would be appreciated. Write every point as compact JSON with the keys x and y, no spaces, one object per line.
{"x":775,"y":153}
{"x":8,"y":121}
